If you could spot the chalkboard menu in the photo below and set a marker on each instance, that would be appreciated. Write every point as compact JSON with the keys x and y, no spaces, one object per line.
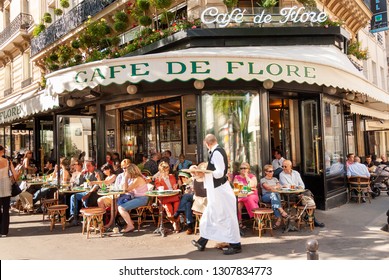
{"x":191,"y":128}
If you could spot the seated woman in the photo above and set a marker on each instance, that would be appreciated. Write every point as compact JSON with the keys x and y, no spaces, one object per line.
{"x":182,"y":163}
{"x":168,"y":182}
{"x":106,"y":201}
{"x":200,"y":193}
{"x":110,"y":178}
{"x":251,"y":200}
{"x":135,"y":184}
{"x":269,"y":184}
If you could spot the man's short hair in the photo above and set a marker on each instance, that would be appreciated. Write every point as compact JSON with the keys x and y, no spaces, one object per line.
{"x":279,"y":152}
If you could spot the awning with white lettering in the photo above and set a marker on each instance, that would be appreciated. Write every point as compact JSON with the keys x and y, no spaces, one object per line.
{"x":27,"y":104}
{"x":320,"y":65}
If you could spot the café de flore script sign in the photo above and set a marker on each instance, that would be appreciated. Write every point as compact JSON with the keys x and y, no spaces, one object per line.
{"x":294,"y":14}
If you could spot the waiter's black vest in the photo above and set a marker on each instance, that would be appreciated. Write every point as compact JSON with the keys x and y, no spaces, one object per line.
{"x":222,"y":180}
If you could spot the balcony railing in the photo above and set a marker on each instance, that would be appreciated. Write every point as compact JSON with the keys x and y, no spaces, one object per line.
{"x":22,"y":21}
{"x":69,"y":21}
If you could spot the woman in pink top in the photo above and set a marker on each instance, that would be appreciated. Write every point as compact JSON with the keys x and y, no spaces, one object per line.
{"x":135,"y":184}
{"x":251,"y":200}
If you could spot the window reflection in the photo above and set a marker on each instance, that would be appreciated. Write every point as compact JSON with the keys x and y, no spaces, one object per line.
{"x":333,"y":139}
{"x":233,"y":116}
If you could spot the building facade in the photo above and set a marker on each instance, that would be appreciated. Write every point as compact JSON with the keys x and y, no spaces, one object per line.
{"x":116,"y":76}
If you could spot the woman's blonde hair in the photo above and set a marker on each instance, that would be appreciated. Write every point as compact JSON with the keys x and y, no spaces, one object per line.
{"x":134,"y":171}
{"x":245,"y":164}
{"x":267,"y":167}
{"x":163,"y":166}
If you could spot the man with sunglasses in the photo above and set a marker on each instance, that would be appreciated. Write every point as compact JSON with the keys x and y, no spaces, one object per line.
{"x":290,"y":177}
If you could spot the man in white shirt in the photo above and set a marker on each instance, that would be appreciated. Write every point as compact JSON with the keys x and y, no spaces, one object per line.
{"x":289,"y":176}
{"x":358,"y":169}
{"x":277,"y":163}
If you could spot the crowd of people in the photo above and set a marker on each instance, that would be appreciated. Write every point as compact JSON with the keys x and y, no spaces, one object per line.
{"x":205,"y":188}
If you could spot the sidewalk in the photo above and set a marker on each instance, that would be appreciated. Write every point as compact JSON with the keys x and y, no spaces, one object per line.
{"x":352,"y":232}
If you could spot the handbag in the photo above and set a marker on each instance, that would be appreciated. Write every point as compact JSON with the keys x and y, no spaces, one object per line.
{"x":15,"y":190}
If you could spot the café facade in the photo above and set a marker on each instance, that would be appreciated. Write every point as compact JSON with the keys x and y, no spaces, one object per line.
{"x":257,"y":89}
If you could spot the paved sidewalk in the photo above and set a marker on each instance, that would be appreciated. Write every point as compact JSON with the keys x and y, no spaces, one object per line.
{"x":352,"y":232}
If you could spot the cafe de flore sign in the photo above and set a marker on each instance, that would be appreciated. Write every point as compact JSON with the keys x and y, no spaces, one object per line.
{"x":293,"y":14}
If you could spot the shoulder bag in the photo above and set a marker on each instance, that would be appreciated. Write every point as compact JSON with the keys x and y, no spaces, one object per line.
{"x":15,"y":190}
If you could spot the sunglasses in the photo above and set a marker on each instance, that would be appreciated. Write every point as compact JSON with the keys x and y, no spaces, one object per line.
{"x":284,"y":166}
{"x":244,"y":168}
{"x":270,"y":171}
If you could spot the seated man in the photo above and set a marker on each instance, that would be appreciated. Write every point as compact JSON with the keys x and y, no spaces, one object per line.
{"x":290,"y":177}
{"x":88,"y":175}
{"x":358,"y":169}
{"x":186,"y":202}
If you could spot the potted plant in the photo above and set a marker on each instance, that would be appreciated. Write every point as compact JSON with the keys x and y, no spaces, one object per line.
{"x":58,"y":12}
{"x":38,"y":29}
{"x":64,"y":4}
{"x":47,"y":18}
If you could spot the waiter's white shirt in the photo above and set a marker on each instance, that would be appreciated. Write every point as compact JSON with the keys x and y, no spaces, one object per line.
{"x":220,"y":220}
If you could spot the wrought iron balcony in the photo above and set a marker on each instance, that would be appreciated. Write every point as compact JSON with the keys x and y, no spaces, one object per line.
{"x":69,"y":21}
{"x":21,"y":22}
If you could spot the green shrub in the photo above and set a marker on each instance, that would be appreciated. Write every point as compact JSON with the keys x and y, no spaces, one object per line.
{"x":145,"y":20}
{"x":76,"y":44}
{"x":53,"y":67}
{"x":58,"y":12}
{"x":64,"y":4}
{"x":53,"y":57}
{"x":144,"y":5}
{"x":78,"y":58}
{"x":38,"y":29}
{"x":120,"y":26}
{"x":121,"y":16}
{"x":115,"y":41}
{"x":47,"y":18}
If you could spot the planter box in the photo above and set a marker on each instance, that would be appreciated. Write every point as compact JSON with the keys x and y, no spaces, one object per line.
{"x":357,"y":62}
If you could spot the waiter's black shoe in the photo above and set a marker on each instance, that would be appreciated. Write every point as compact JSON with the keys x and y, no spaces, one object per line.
{"x":318,"y":224}
{"x":198,"y":246}
{"x":232,"y":250}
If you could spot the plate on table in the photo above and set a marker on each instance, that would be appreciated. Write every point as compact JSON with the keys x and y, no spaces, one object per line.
{"x":196,"y":170}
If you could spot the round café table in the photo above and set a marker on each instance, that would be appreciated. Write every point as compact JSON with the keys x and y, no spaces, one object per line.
{"x":115,"y":195}
{"x":161,"y":194}
{"x":287,"y":192}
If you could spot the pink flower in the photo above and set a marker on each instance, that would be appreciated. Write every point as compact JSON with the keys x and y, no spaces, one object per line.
{"x":194,"y":27}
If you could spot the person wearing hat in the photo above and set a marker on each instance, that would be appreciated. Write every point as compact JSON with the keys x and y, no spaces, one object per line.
{"x":184,"y":180}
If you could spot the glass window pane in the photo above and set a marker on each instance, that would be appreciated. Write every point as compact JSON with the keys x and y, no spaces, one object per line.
{"x":47,"y":139}
{"x":233,"y":117}
{"x":310,"y":129}
{"x":135,"y":113}
{"x":333,"y":140}
{"x":76,"y":137}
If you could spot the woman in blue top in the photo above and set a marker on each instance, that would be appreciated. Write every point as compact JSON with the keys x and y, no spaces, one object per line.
{"x":182,"y":163}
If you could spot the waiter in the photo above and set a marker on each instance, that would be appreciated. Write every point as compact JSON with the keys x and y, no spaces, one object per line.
{"x":219,"y":221}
